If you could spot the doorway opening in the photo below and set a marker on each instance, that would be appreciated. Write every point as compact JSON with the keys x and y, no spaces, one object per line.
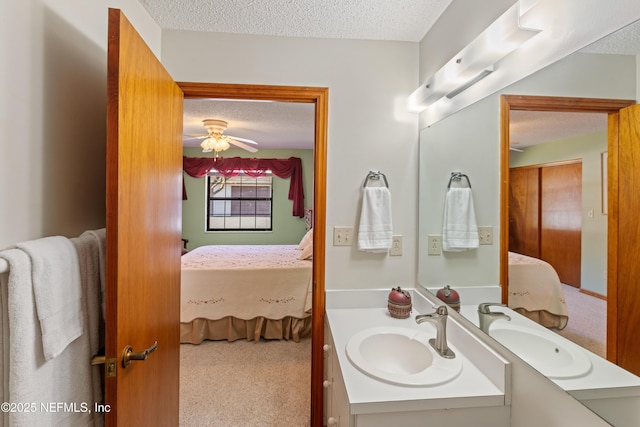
{"x":318,"y":97}
{"x":611,"y":107}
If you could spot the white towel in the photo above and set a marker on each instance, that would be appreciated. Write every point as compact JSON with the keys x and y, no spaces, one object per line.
{"x":375,"y":232}
{"x":459,"y":229}
{"x":101,"y":240}
{"x":55,"y":273}
{"x":65,"y":378}
{"x":89,"y":256}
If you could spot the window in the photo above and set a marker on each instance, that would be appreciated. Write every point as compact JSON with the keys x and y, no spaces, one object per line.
{"x":239,"y":203}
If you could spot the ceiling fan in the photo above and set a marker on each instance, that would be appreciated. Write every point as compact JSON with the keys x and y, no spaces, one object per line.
{"x":512,"y":148}
{"x":214,"y":140}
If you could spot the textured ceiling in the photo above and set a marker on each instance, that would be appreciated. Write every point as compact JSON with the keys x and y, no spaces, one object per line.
{"x":402,"y":20}
{"x":537,"y":127}
{"x":283,"y":125}
{"x":287,"y":125}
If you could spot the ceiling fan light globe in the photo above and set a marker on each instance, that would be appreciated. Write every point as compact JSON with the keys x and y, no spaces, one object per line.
{"x":206,"y":145}
{"x":221,"y":145}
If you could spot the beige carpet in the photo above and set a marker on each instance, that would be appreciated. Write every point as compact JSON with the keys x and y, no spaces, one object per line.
{"x":245,"y":384}
{"x":587,"y":324}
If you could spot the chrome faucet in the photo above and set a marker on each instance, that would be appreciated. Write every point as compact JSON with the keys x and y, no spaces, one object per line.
{"x":487,"y":317}
{"x":439,"y":318}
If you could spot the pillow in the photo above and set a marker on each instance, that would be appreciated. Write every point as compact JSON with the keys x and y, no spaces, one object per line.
{"x":308,"y":237}
{"x":307,"y":252}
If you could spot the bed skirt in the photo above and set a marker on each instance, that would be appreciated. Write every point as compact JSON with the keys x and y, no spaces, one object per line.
{"x":231,"y":329}
{"x":544,"y":318}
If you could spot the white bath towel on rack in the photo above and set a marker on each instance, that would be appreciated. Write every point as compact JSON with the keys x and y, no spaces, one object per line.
{"x":32,"y":379}
{"x":459,"y":229}
{"x":57,"y":290}
{"x":375,"y":232}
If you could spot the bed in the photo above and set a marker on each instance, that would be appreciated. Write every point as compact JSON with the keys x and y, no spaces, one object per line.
{"x":535,"y":291}
{"x":231,"y":292}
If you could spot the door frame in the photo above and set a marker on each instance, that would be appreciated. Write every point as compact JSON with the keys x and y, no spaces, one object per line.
{"x":320,"y":97}
{"x":612,"y":108}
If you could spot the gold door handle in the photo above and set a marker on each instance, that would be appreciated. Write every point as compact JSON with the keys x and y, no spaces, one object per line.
{"x":128,"y":354}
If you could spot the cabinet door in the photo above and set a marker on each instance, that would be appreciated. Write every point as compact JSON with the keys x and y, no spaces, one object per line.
{"x":328,"y":370}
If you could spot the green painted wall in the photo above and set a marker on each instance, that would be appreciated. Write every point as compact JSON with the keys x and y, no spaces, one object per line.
{"x":594,"y":223}
{"x":287,"y":229}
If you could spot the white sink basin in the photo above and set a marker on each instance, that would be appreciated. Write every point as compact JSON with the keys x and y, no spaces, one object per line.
{"x":548,"y":353}
{"x":400,"y":356}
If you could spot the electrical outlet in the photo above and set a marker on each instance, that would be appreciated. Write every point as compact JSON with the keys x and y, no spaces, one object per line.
{"x":342,"y":236}
{"x":435,"y":244}
{"x":485,"y":234}
{"x":396,"y":245}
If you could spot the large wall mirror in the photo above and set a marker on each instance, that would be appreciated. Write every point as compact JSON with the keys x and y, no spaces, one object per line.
{"x":574,"y":147}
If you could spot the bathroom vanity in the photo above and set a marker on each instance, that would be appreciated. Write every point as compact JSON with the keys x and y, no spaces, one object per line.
{"x":370,"y":382}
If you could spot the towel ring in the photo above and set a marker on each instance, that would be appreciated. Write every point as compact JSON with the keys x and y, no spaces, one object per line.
{"x":376,"y":176}
{"x":457,"y":176}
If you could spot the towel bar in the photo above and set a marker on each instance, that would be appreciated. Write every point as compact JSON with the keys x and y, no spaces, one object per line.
{"x":376,"y":176}
{"x":4,"y":266}
{"x":457,"y":176}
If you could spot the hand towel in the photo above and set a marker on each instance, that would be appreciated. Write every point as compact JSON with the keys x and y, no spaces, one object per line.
{"x":375,"y":231}
{"x":55,"y":273}
{"x":32,"y":379}
{"x":88,"y":248}
{"x":101,"y":238}
{"x":459,"y":229}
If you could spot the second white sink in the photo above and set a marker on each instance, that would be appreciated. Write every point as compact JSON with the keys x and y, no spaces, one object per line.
{"x":400,"y":356}
{"x":551,"y":355}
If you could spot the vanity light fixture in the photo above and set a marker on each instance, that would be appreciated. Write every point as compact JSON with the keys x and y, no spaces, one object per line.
{"x":477,"y":60}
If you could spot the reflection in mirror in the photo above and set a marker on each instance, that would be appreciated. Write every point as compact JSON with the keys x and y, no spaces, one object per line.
{"x":563,"y":313}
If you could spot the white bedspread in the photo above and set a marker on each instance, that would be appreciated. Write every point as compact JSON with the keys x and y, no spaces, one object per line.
{"x":245,"y":282}
{"x":534,"y":286}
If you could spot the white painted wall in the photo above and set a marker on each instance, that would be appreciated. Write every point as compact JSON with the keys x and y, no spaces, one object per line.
{"x":369,"y":129}
{"x":52,"y":114}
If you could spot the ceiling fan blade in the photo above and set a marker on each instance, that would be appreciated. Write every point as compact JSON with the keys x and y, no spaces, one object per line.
{"x":248,"y":141}
{"x":242,"y":145}
{"x":199,"y":136}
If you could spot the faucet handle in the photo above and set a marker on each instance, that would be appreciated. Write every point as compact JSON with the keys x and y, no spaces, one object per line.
{"x":441,"y":310}
{"x":484,"y":307}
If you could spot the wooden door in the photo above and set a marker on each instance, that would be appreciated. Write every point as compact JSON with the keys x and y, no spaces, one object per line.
{"x":561,"y":220}
{"x":524,"y":207}
{"x":627,"y":197}
{"x":144,"y":172}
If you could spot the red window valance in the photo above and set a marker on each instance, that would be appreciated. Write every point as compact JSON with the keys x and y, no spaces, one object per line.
{"x":198,"y":167}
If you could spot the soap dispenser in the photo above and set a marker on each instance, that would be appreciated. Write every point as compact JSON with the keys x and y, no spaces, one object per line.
{"x":399,"y":303}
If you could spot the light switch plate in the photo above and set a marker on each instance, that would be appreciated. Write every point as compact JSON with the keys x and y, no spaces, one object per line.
{"x":485,"y":233}
{"x":342,"y":236}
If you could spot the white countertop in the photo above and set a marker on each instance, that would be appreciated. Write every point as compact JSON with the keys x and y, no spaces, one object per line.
{"x":472,"y":388}
{"x":606,"y":380}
